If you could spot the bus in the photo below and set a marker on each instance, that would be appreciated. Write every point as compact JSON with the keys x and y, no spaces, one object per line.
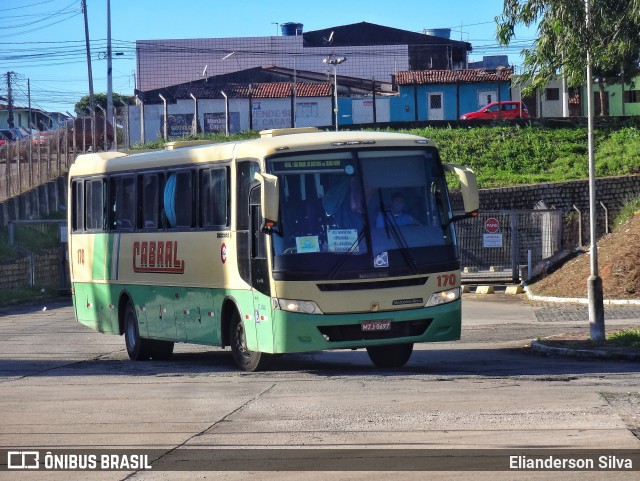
{"x":293,"y":242}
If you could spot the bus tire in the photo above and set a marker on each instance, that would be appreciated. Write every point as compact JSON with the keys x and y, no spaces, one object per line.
{"x":245,"y":359}
{"x":137,"y":347}
{"x":160,"y":350}
{"x":390,"y":356}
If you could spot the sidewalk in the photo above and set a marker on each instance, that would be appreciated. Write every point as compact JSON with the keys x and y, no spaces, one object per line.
{"x":578,"y":345}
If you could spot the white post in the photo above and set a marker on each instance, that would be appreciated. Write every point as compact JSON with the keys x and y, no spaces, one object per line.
{"x":594,"y":282}
{"x":164,"y":124}
{"x":226,"y":113}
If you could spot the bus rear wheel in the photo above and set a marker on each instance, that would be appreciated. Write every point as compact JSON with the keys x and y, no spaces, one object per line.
{"x":138,"y":348}
{"x":390,"y":356}
{"x":249,"y":361}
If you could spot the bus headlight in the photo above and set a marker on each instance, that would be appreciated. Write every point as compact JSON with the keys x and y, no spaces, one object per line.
{"x":292,"y":305}
{"x":443,"y":297}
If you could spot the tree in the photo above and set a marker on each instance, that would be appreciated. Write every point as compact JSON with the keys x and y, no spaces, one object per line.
{"x":563,"y":39}
{"x":82,"y":107}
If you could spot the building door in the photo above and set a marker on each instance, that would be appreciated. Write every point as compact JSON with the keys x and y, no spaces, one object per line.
{"x":436,"y":106}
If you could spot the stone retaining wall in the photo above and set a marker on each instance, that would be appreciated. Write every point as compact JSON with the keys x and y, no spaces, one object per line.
{"x":613,"y":192}
{"x":47,"y":270}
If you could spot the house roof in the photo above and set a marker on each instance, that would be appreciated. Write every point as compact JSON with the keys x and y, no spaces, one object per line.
{"x":265,"y":82}
{"x":203,"y":89}
{"x":365,"y":33}
{"x":422,"y":77}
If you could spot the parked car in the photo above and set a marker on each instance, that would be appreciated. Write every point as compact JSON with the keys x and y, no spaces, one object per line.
{"x":499,"y":110}
{"x":15,"y":136}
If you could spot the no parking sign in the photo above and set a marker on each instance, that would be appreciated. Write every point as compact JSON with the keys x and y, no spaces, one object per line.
{"x":493,"y":236}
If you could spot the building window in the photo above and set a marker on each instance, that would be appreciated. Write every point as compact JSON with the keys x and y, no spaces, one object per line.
{"x":307,"y":109}
{"x":632,"y":96}
{"x":552,"y":94}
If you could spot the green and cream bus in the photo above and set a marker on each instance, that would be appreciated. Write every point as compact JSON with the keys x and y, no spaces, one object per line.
{"x":294,"y":242}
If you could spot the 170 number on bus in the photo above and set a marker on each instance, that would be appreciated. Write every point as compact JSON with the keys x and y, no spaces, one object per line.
{"x":447,"y":280}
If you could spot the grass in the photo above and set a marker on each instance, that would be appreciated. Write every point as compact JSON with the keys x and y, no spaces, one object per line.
{"x":35,"y":238}
{"x":21,"y":295}
{"x":512,"y":155}
{"x":626,"y":338}
{"x":628,"y":210}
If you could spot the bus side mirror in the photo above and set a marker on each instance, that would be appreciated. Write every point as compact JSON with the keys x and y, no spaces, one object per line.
{"x":468,"y":188}
{"x":269,"y":201}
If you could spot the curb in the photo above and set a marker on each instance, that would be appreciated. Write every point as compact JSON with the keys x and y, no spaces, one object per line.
{"x":538,"y":347}
{"x":578,"y":300}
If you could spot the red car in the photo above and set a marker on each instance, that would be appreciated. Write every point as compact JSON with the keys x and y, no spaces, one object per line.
{"x":499,"y":110}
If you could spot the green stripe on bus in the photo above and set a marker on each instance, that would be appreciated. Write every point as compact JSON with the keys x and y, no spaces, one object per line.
{"x":98,"y":261}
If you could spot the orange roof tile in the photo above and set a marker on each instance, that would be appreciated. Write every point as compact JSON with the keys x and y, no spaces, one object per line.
{"x":422,"y":77}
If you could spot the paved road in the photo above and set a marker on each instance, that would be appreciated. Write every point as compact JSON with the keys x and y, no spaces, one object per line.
{"x":63,"y":385}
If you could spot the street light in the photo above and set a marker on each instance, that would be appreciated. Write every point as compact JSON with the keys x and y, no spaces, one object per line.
{"x":335,"y":61}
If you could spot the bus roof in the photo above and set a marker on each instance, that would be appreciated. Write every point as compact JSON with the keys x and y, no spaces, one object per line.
{"x":270,"y":143}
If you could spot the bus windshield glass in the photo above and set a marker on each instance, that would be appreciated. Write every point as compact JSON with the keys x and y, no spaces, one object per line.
{"x":362,"y":213}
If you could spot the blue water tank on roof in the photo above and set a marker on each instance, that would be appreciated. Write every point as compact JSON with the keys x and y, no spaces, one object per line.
{"x":438,"y":32}
{"x":291,"y":29}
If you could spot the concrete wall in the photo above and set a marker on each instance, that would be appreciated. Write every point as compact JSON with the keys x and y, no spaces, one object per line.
{"x":265,"y":114}
{"x":613,"y":192}
{"x":48,"y":268}
{"x":36,"y":203}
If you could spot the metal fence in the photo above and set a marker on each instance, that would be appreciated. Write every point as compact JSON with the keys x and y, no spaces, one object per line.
{"x":496,"y":246}
{"x":37,"y":255}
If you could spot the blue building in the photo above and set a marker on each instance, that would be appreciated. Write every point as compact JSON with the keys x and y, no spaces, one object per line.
{"x":447,"y":94}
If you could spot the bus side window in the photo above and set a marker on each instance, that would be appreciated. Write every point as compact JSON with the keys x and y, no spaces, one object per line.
{"x":123,"y":203}
{"x":77,"y":204}
{"x":149,"y":201}
{"x":95,"y":219}
{"x":213,"y":203}
{"x":184,"y":200}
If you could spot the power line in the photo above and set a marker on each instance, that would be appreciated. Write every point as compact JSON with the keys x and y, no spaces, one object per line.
{"x":26,"y":6}
{"x":41,"y":28}
{"x":47,"y":16}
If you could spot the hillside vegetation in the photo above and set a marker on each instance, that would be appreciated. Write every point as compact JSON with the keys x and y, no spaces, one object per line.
{"x":510,"y":155}
{"x":504,"y":156}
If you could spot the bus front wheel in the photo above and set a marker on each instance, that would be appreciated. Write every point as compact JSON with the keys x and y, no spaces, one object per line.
{"x":245,"y":359}
{"x":390,"y":356}
{"x":138,"y":348}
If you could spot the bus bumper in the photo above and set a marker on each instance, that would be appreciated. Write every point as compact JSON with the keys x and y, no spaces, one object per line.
{"x":294,"y":332}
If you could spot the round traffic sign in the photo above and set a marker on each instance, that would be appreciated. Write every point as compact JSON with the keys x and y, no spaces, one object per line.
{"x":492,"y":225}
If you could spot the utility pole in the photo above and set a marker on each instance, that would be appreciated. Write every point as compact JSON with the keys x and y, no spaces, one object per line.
{"x":9,"y":100}
{"x":109,"y":72}
{"x":92,"y":101}
{"x":594,"y":282}
{"x":30,"y":141}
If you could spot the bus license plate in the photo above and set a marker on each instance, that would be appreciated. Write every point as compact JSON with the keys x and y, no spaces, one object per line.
{"x":383,"y":325}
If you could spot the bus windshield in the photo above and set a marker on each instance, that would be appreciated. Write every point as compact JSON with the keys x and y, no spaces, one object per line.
{"x":361,"y":214}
